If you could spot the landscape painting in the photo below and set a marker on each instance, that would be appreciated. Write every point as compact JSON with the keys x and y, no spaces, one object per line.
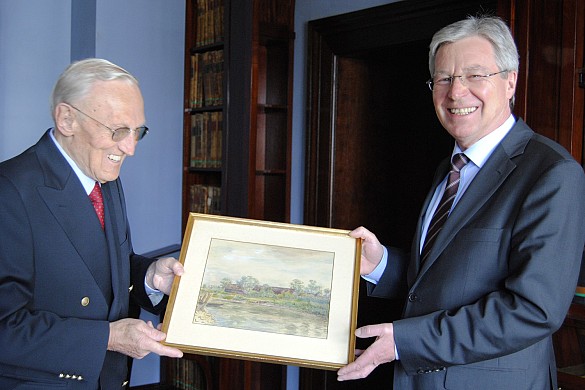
{"x":266,"y":288}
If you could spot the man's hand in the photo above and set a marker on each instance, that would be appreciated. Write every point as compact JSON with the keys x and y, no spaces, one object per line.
{"x":381,"y":351}
{"x":161,"y":273}
{"x":372,"y":250}
{"x":137,"y":339}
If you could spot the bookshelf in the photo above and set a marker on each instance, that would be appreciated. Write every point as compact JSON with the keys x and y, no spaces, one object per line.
{"x":238,"y":116}
{"x":236,"y":144}
{"x":204,"y":106}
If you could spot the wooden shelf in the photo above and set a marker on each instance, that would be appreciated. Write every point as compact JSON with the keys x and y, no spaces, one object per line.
{"x":206,"y":48}
{"x":203,"y":109}
{"x":253,"y":62}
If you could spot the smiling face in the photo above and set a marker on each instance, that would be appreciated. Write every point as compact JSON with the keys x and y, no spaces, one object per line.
{"x":469,"y":114}
{"x":114,"y":103}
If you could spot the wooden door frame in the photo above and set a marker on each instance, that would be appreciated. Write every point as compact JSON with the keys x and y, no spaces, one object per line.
{"x":348,"y":34}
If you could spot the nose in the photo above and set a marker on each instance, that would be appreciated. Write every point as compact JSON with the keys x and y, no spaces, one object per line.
{"x":458,"y":87}
{"x":128,"y":145}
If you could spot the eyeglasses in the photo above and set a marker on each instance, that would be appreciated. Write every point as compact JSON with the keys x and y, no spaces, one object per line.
{"x":469,"y":80}
{"x":120,"y":133}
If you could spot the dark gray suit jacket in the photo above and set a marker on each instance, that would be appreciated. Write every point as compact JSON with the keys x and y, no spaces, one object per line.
{"x":480,"y":312}
{"x":62,"y":278}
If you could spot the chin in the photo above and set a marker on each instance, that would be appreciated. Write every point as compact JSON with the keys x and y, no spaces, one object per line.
{"x":109,"y":177}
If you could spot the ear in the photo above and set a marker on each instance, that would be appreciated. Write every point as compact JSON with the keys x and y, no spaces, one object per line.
{"x":64,"y":119}
{"x":511,"y":87}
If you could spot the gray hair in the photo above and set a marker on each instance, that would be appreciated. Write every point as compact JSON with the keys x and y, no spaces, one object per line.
{"x":491,"y":28}
{"x":78,"y":78}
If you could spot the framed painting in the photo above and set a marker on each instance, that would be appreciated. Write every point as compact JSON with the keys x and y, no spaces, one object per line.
{"x":265,"y":291}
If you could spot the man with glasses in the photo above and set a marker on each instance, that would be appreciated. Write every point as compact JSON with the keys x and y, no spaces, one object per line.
{"x":67,"y":267}
{"x":497,"y":248}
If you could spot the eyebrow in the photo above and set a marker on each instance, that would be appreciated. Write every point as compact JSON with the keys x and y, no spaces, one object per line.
{"x":472,"y":68}
{"x":125,"y":126}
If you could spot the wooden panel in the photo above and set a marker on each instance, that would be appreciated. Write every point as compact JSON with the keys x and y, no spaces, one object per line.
{"x":271,"y":111}
{"x":246,"y":375}
{"x":550,"y":36}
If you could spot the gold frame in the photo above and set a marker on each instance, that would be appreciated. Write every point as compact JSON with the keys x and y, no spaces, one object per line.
{"x":329,"y":255}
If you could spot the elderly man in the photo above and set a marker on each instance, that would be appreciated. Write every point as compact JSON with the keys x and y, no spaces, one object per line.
{"x":67,"y":267}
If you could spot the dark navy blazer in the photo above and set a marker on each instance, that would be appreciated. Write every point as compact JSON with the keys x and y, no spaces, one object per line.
{"x":62,"y":278}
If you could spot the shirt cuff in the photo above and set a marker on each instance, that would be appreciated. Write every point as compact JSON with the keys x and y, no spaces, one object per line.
{"x":376,"y":274}
{"x":154,"y":295}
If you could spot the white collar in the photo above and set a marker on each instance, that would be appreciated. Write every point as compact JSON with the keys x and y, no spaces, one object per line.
{"x":480,"y":151}
{"x":87,"y":182}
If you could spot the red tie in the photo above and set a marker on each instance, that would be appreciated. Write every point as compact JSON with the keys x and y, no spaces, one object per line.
{"x":98,"y":202}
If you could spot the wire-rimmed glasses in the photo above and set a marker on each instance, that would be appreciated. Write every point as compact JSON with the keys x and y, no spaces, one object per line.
{"x":468,"y":79}
{"x":120,"y":133}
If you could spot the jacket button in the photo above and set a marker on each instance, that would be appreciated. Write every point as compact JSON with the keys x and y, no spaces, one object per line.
{"x":85,"y":301}
{"x":130,"y":288}
{"x":412,"y":297}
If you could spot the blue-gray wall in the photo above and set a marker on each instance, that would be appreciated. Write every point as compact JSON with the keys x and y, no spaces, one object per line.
{"x":145,"y":37}
{"x":34,"y":50}
{"x":39,"y":38}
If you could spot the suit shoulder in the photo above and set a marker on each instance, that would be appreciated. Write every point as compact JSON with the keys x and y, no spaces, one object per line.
{"x":543,"y":156}
{"x":21,"y":168}
{"x":548,"y":148}
{"x":523,"y":141}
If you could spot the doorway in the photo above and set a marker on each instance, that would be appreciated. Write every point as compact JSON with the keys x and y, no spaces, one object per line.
{"x":373,"y":139}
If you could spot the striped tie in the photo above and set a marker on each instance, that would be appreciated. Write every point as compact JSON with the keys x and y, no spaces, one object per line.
{"x":442,"y":212}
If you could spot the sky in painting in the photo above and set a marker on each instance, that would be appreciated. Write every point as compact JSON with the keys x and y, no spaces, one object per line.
{"x":274,"y":265}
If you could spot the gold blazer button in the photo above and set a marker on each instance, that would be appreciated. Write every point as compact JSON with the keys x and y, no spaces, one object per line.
{"x":85,"y":301}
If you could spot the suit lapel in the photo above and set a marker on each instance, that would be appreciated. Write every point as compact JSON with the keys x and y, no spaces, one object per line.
{"x":489,"y":178}
{"x":120,"y":266}
{"x":71,"y":207}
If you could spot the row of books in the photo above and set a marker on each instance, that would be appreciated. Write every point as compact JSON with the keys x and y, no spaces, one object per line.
{"x":206,"y":139}
{"x":186,"y":374}
{"x":205,"y":199}
{"x":206,"y":79}
{"x":209,"y":21}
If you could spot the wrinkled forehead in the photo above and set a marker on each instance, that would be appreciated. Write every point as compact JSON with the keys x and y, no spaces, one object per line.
{"x":118,"y":100}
